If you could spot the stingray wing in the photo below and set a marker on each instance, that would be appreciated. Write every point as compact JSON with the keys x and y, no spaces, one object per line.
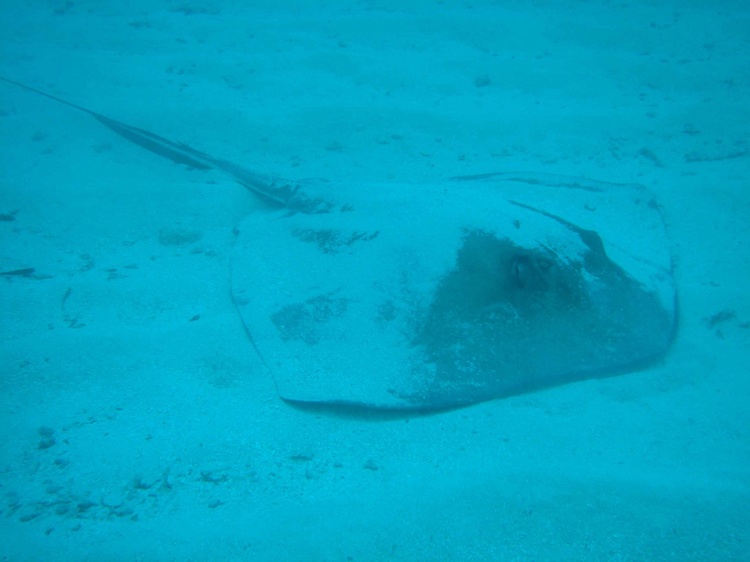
{"x":435,"y":296}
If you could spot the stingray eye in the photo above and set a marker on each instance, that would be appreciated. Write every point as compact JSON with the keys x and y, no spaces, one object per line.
{"x":520,"y":271}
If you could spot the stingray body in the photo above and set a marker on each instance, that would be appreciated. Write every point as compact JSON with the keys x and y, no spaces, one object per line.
{"x":404,"y":296}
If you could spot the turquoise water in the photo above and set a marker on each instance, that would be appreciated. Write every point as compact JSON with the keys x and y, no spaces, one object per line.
{"x":139,"y":421}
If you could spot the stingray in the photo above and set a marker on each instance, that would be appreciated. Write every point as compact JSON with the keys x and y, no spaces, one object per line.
{"x":428,"y":296}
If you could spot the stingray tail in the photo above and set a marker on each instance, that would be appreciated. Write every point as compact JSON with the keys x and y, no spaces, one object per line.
{"x":177,"y":152}
{"x":270,"y":188}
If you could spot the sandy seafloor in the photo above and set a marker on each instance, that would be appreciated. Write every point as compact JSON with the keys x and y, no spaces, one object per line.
{"x":130,"y":432}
